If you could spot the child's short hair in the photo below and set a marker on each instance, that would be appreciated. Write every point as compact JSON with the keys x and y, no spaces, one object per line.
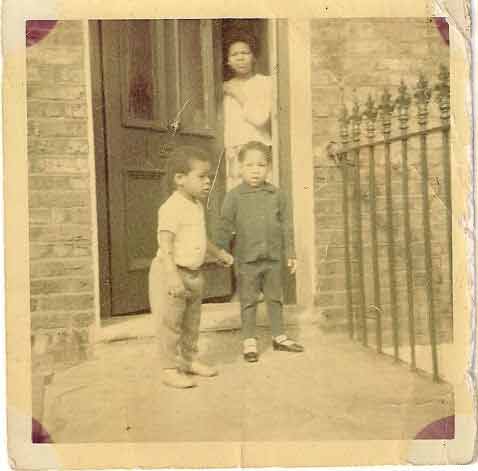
{"x":264,"y":149}
{"x":182,"y":158}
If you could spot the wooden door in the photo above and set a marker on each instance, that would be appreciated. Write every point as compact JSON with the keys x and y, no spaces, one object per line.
{"x":151,"y":71}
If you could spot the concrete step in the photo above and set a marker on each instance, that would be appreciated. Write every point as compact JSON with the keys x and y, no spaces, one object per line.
{"x":215,"y":317}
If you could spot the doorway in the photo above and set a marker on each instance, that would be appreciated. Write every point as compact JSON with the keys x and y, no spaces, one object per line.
{"x":146,"y":74}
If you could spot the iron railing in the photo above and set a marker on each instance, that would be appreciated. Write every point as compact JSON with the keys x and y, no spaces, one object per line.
{"x":381,"y":118}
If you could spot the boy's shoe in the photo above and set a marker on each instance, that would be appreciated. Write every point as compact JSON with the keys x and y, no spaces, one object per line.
{"x":250,"y":350}
{"x":285,"y":344}
{"x":251,"y":357}
{"x":200,"y":369}
{"x":177,"y":379}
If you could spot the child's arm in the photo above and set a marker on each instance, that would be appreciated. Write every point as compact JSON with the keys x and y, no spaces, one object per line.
{"x":287,"y":234}
{"x":257,"y":108}
{"x":175,"y":284}
{"x":220,"y":254}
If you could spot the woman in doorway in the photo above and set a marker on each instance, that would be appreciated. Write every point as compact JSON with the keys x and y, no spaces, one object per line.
{"x":247,"y":101}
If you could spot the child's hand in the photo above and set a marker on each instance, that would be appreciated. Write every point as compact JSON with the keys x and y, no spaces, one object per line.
{"x":176,"y":288}
{"x":292,"y":265}
{"x":226,"y":258}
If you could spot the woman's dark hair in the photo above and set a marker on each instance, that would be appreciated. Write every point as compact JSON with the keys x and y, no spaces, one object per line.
{"x":243,"y":36}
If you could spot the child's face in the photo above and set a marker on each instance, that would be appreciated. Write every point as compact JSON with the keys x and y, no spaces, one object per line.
{"x":240,"y":58}
{"x":196,"y":183}
{"x":254,"y":167}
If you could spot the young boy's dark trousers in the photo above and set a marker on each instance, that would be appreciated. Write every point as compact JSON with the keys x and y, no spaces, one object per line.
{"x":253,"y":277}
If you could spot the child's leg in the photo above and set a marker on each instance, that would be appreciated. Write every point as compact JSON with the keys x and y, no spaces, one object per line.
{"x":249,"y":279}
{"x":194,"y":284}
{"x":273,"y":296}
{"x":155,"y":283}
{"x":170,"y":321}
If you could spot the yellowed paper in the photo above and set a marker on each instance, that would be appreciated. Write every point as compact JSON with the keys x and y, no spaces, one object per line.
{"x":97,"y":99}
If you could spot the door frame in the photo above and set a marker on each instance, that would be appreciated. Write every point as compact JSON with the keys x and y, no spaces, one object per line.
{"x":100,"y":180}
{"x":292,"y":120}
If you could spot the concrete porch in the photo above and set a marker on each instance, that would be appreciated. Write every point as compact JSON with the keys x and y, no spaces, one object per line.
{"x":335,"y":390}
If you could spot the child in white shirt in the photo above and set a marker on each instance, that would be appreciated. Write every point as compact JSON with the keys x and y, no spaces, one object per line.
{"x":176,"y":281}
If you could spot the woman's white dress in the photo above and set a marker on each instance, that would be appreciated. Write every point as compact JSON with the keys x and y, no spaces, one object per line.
{"x":245,"y":123}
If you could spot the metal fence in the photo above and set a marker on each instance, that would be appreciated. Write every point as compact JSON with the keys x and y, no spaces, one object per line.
{"x":365,"y":129}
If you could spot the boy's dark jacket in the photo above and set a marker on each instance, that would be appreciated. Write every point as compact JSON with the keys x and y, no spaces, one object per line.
{"x":258,"y":219}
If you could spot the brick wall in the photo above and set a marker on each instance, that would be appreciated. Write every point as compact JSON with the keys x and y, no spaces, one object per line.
{"x":354,"y":58}
{"x":61,"y":264}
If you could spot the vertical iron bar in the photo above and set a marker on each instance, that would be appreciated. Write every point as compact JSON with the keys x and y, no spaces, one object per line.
{"x":443,"y":99}
{"x":386,"y":112}
{"x":422,"y":95}
{"x":348,"y":267}
{"x":403,"y":103}
{"x":356,"y":119}
{"x":344,"y":123}
{"x":371,"y":115}
{"x":447,"y":172}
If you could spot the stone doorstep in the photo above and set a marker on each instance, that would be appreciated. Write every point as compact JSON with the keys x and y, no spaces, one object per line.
{"x":215,"y":317}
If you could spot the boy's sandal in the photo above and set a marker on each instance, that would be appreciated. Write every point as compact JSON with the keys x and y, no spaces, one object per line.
{"x":251,"y":357}
{"x":287,"y":345}
{"x":250,"y":350}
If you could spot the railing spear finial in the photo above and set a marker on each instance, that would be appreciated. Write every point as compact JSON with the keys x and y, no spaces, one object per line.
{"x":356,"y":118}
{"x":423,"y":94}
{"x":402,"y":103}
{"x":442,"y":97}
{"x":370,"y":114}
{"x":386,"y":108}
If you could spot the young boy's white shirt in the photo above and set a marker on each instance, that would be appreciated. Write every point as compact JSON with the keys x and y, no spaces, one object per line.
{"x":185,"y":219}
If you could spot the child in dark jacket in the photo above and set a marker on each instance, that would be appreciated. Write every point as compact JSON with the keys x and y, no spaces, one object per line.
{"x":255,"y":214}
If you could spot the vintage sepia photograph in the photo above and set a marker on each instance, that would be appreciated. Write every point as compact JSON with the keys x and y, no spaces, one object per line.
{"x":211,"y":324}
{"x":243,"y":231}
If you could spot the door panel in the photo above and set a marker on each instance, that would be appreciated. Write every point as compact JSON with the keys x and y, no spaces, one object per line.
{"x":151,"y":69}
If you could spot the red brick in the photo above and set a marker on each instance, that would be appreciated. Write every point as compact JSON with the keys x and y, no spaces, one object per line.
{"x":60,"y":250}
{"x":54,"y":92}
{"x":68,"y":267}
{"x":60,"y":285}
{"x":49,"y":321}
{"x":53,"y":109}
{"x":83,"y":319}
{"x":58,"y":183}
{"x":72,"y":75}
{"x":57,"y":128}
{"x":59,"y":146}
{"x":71,"y":215}
{"x":63,"y":302}
{"x":61,"y":232}
{"x":55,"y":55}
{"x":60,"y":166}
{"x":58,"y":199}
{"x":40,"y":216}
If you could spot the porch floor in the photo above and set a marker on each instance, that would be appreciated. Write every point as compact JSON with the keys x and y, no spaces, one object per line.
{"x":334,"y":390}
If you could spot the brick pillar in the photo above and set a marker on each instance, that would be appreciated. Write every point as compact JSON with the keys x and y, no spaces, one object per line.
{"x":60,"y":224}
